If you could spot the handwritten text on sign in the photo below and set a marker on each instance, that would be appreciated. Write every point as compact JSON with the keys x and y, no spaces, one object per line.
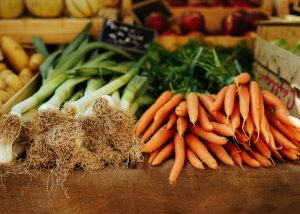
{"x":129,"y":37}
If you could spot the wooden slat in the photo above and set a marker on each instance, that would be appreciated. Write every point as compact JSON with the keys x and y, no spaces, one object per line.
{"x":53,"y":31}
{"x":146,"y":190}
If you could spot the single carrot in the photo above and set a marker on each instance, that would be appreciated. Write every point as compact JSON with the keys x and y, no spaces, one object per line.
{"x":158,"y":139}
{"x":248,"y":160}
{"x":148,"y":133}
{"x":249,"y":125}
{"x":182,"y":124}
{"x":265,"y":162}
{"x":169,"y":106}
{"x":153,"y":155}
{"x":296,"y":143}
{"x":280,"y":139}
{"x":193,"y":159}
{"x":192,"y":107}
{"x":220,"y":153}
{"x":241,"y":138}
{"x":287,"y":131}
{"x":179,"y":159}
{"x":181,"y":109}
{"x":214,"y":96}
{"x":235,"y":117}
{"x":272,"y":142}
{"x":272,"y":100}
{"x":255,"y":104}
{"x":203,"y":119}
{"x":148,"y":116}
{"x":287,"y":119}
{"x":289,"y":153}
{"x":229,"y":100}
{"x":244,"y":101}
{"x":208,"y":136}
{"x":242,"y":78}
{"x":261,"y":146}
{"x":172,"y":120}
{"x":222,"y":129}
{"x":199,"y":148}
{"x":264,"y":124}
{"x":234,"y":153}
{"x":219,"y":101}
{"x":157,"y":123}
{"x":164,"y":153}
{"x":207,"y":102}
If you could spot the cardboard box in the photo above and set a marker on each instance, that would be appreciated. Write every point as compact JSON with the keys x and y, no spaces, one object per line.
{"x":271,"y":82}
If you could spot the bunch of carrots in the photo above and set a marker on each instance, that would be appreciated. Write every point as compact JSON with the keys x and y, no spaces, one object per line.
{"x":240,"y":124}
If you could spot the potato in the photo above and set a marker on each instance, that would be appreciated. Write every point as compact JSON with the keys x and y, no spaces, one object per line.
{"x":4,"y":73}
{"x":4,"y":96}
{"x":35,"y":61}
{"x":2,"y":84}
{"x":2,"y":67}
{"x":14,"y":53}
{"x":25,"y":75}
{"x":13,"y":81}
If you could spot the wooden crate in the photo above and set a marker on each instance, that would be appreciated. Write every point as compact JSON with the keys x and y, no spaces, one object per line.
{"x":52,"y":31}
{"x":214,"y":15}
{"x":146,"y":190}
{"x":276,"y":29}
{"x":26,"y":91}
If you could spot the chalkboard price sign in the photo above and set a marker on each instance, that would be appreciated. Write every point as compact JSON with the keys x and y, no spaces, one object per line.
{"x":131,"y":38}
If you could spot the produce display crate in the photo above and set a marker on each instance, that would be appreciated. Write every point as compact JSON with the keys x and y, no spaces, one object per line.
{"x":52,"y":31}
{"x":146,"y":190}
{"x":214,"y":15}
{"x":280,"y":28}
{"x":278,"y":71}
{"x":26,"y":91}
{"x":172,"y":42}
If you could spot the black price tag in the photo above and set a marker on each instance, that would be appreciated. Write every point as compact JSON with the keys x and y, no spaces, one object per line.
{"x":131,"y":38}
{"x":142,"y":10}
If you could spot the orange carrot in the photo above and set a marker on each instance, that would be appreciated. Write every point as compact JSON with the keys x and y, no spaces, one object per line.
{"x":148,"y":133}
{"x":235,"y":117}
{"x":255,"y":104}
{"x":289,"y":153}
{"x":296,"y":143}
{"x":219,"y":101}
{"x":153,"y":155}
{"x":249,"y":125}
{"x":179,"y":159}
{"x":244,"y":101}
{"x":287,"y":131}
{"x":234,"y":153}
{"x":164,"y":154}
{"x":182,"y":124}
{"x":147,"y":117}
{"x":193,"y":159}
{"x":158,"y":139}
{"x":208,"y":136}
{"x":199,"y":148}
{"x":214,"y":96}
{"x":207,"y":103}
{"x":265,"y":162}
{"x":172,"y":120}
{"x":192,"y":107}
{"x":286,"y":119}
{"x":242,"y":78}
{"x":280,"y":139}
{"x":229,"y":100}
{"x":169,"y":106}
{"x":181,"y":109}
{"x":222,"y":129}
{"x":272,"y":100}
{"x":157,"y":123}
{"x":203,"y":119}
{"x":220,"y":153}
{"x":248,"y":160}
{"x":241,"y":137}
{"x":264,"y":124}
{"x":261,"y":146}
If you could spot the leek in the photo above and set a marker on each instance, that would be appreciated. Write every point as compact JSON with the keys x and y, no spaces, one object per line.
{"x":93,"y":84}
{"x":77,"y":95}
{"x":137,"y":84}
{"x":139,"y":102}
{"x":83,"y":103}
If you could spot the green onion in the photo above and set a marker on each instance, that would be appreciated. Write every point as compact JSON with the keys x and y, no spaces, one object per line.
{"x":93,"y":84}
